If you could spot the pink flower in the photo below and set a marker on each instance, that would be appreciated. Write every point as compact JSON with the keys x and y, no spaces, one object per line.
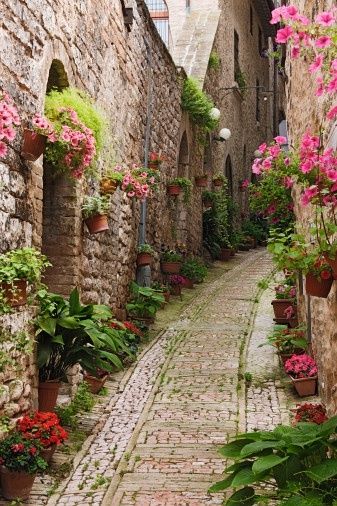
{"x":279,"y":139}
{"x":284,"y":34}
{"x":257,"y":169}
{"x":332,"y":86}
{"x":289,"y":312}
{"x":295,"y":52}
{"x":262,"y":148}
{"x":288,"y":182}
{"x":308,"y":194}
{"x":277,"y":14}
{"x":332,"y":113}
{"x":317,"y":64}
{"x":325,"y":18}
{"x":3,"y":149}
{"x":323,"y":41}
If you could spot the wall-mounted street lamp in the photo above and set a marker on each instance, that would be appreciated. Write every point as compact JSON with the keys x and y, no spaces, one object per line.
{"x":224,"y":135}
{"x":215,"y":113}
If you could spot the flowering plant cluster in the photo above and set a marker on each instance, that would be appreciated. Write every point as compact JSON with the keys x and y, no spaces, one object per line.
{"x":285,"y":291}
{"x":44,"y":427}
{"x":42,"y":126}
{"x":156,"y":158}
{"x":176,"y":280}
{"x":72,"y":147}
{"x":310,"y":413}
{"x":138,"y":182}
{"x":17,"y":453}
{"x":301,"y":366}
{"x":131,"y":327}
{"x":288,"y":340}
{"x":9,"y":120}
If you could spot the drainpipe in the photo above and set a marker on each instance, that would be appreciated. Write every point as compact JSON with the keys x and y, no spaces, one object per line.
{"x":275,"y":101}
{"x":144,"y":272}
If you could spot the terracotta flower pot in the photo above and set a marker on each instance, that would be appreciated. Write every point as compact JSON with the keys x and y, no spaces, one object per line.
{"x":225,"y":254}
{"x":201,"y":181}
{"x":305,"y":386}
{"x":16,"y":485}
{"x":95,"y":384}
{"x":47,"y":453}
{"x":33,"y":145}
{"x":48,"y":393}
{"x":171,"y":267}
{"x":175,"y":289}
{"x":98,"y":223}
{"x":333,"y":264}
{"x":317,"y":287}
{"x":108,"y":186}
{"x":15,"y":293}
{"x":280,"y":305}
{"x":174,"y":190}
{"x":188,"y":283}
{"x":154,"y":165}
{"x":144,"y":259}
{"x":217,"y":182}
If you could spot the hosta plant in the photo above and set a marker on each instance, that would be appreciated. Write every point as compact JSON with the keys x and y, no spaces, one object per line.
{"x":289,"y":466}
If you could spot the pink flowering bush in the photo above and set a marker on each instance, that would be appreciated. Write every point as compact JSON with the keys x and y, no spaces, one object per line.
{"x":285,"y":291}
{"x":42,"y":126}
{"x":9,"y":121}
{"x":301,"y":366}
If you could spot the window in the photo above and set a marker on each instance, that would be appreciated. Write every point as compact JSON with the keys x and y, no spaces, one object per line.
{"x":236,"y":55}
{"x":160,"y":16}
{"x":251,"y":18}
{"x":258,"y":112}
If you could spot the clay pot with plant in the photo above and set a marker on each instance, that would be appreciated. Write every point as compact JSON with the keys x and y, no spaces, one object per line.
{"x":171,"y":262}
{"x":180,"y":185}
{"x":111,"y":180}
{"x":95,"y":213}
{"x":201,"y":181}
{"x":287,"y":341}
{"x":35,"y":138}
{"x":285,"y":297}
{"x":145,"y":255}
{"x":218,"y":179}
{"x":155,"y":160}
{"x":96,"y":381}
{"x":20,"y":461}
{"x":303,"y":372}
{"x":144,"y":303}
{"x":18,"y":269}
{"x":194,"y":271}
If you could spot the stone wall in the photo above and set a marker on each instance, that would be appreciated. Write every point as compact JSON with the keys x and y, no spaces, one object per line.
{"x":307,"y":112}
{"x":93,"y":50}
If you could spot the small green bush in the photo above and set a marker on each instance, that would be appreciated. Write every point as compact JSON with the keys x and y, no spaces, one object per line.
{"x":198,"y":105}
{"x":214,"y":61}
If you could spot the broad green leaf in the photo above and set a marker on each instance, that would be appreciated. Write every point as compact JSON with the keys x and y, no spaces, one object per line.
{"x":267,"y":462}
{"x":74,"y":302}
{"x":302,"y":501}
{"x":287,"y":470}
{"x":58,"y":339}
{"x":44,"y":350}
{"x":244,"y":477}
{"x":323,"y":471}
{"x":68,"y":322}
{"x":257,"y":447}
{"x":47,"y":324}
{"x":244,"y":497}
{"x":233,"y":449}
{"x":221,"y":485}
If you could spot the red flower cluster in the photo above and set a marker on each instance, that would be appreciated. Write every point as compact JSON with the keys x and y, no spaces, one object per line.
{"x":44,"y":427}
{"x":308,"y":412}
{"x":301,"y":366}
{"x":133,"y":328}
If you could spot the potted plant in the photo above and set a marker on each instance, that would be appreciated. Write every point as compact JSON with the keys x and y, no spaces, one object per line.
{"x":285,"y":296}
{"x":288,"y":342}
{"x":218,"y":179}
{"x":69,"y":333}
{"x":96,"y":381}
{"x":207,"y":199}
{"x":194,"y":271}
{"x":18,"y":268}
{"x":162,"y":288}
{"x":178,"y":185}
{"x":319,"y":279}
{"x":201,"y":181}
{"x":145,"y":254}
{"x":171,"y":262}
{"x":310,"y":413}
{"x":225,"y":250}
{"x":34,"y":139}
{"x":9,"y":120}
{"x":20,"y":461}
{"x":302,"y":370}
{"x":176,"y":283}
{"x":78,"y":134}
{"x":111,"y":180}
{"x":94,"y":210}
{"x":44,"y":428}
{"x":144,"y":303}
{"x":155,"y":159}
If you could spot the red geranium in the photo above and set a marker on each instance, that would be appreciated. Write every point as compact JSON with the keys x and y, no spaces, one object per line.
{"x":301,"y":366}
{"x":133,"y":328}
{"x":44,"y":427}
{"x":308,"y":412}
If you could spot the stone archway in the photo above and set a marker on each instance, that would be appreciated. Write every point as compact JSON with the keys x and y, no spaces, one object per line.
{"x":61,"y":214}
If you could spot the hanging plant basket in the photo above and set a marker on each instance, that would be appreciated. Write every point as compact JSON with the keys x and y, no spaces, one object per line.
{"x":280,"y":305}
{"x":98,"y":223}
{"x":225,"y":254}
{"x":15,"y":484}
{"x":48,"y":393}
{"x":333,"y":264}
{"x":144,"y":259}
{"x":201,"y":181}
{"x":305,"y":386}
{"x":174,"y":190}
{"x":171,"y":267}
{"x":108,"y":186}
{"x":33,"y":146}
{"x":15,"y":293}
{"x":95,"y":384}
{"x":317,"y":287}
{"x":217,"y":182}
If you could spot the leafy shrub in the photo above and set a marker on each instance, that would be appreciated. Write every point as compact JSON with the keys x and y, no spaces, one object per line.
{"x":198,"y":105}
{"x":20,"y":454}
{"x":95,"y":205}
{"x":171,"y":256}
{"x":194,"y":269}
{"x":145,"y":301}
{"x":214,"y":61}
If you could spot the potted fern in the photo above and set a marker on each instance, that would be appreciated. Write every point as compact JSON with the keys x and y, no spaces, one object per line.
{"x":94,"y":210}
{"x":145,"y":255}
{"x":179,"y":185}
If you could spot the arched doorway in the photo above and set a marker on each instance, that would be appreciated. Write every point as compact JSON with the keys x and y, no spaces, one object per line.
{"x":229,"y":174}
{"x":61,"y":214}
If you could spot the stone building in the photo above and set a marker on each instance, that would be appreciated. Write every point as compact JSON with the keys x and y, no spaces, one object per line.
{"x":307,"y":112}
{"x":113,"y":51}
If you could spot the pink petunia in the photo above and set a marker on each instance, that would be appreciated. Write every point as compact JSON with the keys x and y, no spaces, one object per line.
{"x":325,"y":18}
{"x":284,"y":34}
{"x":323,"y":41}
{"x":332,"y":112}
{"x":317,"y":64}
{"x":280,"y":139}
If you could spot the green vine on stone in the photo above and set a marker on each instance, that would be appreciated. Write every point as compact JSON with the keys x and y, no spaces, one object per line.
{"x":198,"y":105}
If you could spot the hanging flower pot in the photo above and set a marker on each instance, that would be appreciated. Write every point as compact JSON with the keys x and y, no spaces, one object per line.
{"x":280,"y":306}
{"x":34,"y":145}
{"x":173,"y":190}
{"x":225,"y":254}
{"x":16,"y":484}
{"x":15,"y":293}
{"x":305,"y":386}
{"x":217,"y":182}
{"x":98,"y":223}
{"x":95,"y":384}
{"x":108,"y":186}
{"x":201,"y":181}
{"x":144,"y":259}
{"x":48,"y":393}
{"x":318,"y":287}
